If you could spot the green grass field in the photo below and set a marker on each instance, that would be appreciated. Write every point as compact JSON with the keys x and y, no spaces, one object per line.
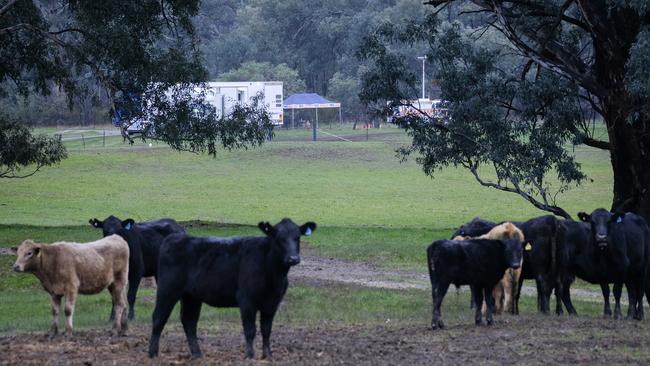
{"x":368,"y":205}
{"x":342,"y":184}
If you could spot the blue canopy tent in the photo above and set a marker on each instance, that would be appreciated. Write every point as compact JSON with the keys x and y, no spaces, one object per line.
{"x":309,"y":101}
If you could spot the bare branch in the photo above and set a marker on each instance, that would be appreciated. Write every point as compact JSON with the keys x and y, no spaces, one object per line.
{"x":545,"y":207}
{"x":10,"y":174}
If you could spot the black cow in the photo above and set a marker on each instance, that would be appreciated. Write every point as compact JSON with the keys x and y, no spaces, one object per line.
{"x":245,"y":272}
{"x":164,"y":226}
{"x":545,"y":259}
{"x":144,"y":241}
{"x":474,"y":228}
{"x":616,"y":251}
{"x":479,"y":263}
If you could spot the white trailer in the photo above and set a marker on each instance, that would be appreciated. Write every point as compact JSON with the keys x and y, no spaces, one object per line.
{"x":224,"y":95}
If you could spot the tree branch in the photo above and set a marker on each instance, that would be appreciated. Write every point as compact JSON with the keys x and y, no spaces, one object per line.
{"x":5,"y":8}
{"x":9,"y":175}
{"x":545,"y":207}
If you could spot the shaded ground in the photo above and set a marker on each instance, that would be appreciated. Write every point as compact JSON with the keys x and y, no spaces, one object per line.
{"x":520,"y":340}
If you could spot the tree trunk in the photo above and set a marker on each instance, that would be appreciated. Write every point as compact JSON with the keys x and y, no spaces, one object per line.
{"x":630,"y":157}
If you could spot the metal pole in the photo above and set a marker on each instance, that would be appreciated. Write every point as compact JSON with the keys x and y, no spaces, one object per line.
{"x":104,"y":139}
{"x":340,"y":118}
{"x":315,"y":125}
{"x":423,"y":58}
{"x":292,"y":125}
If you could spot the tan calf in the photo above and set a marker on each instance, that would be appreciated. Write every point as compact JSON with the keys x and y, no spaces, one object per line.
{"x":505,"y":292}
{"x":66,"y":269}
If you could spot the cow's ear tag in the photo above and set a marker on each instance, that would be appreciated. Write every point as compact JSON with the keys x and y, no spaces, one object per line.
{"x":528,"y":247}
{"x":619,"y":220}
{"x":308,"y":232}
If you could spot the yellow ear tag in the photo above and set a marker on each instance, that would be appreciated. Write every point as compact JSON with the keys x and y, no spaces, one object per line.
{"x":528,"y":247}
{"x":39,"y":253}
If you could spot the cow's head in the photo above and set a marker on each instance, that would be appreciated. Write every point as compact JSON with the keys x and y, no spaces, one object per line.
{"x":474,"y":228}
{"x":28,"y":256}
{"x":513,"y":252}
{"x":286,"y":238}
{"x":111,"y":225}
{"x":601,"y":222}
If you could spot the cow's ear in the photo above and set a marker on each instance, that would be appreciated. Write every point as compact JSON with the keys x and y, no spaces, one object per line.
{"x":308,"y":228}
{"x":128,"y":224}
{"x":37,"y":251}
{"x":95,"y":223}
{"x":266,"y":228}
{"x":618,"y":217}
{"x":584,"y":217}
{"x":14,"y":250}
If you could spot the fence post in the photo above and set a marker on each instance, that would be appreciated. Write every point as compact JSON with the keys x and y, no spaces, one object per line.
{"x":83,"y":141}
{"x":104,"y":139}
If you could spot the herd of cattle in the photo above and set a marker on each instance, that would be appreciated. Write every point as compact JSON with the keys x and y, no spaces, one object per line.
{"x":251,"y":272}
{"x":494,"y":259}
{"x":245,"y":272}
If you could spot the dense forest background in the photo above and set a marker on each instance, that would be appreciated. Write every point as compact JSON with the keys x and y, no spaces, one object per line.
{"x":310,"y":48}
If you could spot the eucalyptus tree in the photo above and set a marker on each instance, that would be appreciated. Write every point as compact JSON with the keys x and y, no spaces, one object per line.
{"x":145,"y":56}
{"x":602,"y":46}
{"x":510,"y":118}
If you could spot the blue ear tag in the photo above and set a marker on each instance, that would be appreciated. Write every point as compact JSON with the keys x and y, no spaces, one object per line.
{"x":128,"y":226}
{"x":308,"y":232}
{"x":619,"y":220}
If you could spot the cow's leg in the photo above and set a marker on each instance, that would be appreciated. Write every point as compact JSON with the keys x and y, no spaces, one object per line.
{"x":56,"y":306}
{"x":558,"y":299}
{"x":266,"y":323}
{"x":134,"y":284}
{"x":438,"y":292}
{"x":489,"y":301}
{"x":566,"y":294}
{"x":478,"y":302}
{"x":117,"y":294}
{"x":539,"y":295}
{"x":607,"y":310}
{"x":514,"y":289}
{"x":70,"y":298}
{"x":500,"y":294}
{"x":165,"y":301}
{"x":618,"y":290}
{"x":542,"y":297}
{"x":247,"y":312}
{"x":631,"y":300}
{"x":190,"y":312}
{"x":640,"y":286}
{"x":520,"y":284}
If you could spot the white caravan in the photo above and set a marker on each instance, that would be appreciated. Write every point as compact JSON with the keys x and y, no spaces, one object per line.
{"x":224,"y":95}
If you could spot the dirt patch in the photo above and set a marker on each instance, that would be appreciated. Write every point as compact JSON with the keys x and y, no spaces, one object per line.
{"x":514,"y":340}
{"x":368,"y":275}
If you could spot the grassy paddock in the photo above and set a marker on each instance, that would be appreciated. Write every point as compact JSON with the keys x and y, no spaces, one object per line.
{"x":368,"y":205}
{"x":341,"y":184}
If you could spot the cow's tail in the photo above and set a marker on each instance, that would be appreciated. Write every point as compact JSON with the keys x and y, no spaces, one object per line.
{"x":430,"y":263}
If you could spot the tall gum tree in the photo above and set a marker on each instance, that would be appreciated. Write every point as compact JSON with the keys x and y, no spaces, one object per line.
{"x":610,"y":66}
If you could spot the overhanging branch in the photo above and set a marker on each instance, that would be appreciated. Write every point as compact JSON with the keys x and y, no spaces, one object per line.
{"x":545,"y":207}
